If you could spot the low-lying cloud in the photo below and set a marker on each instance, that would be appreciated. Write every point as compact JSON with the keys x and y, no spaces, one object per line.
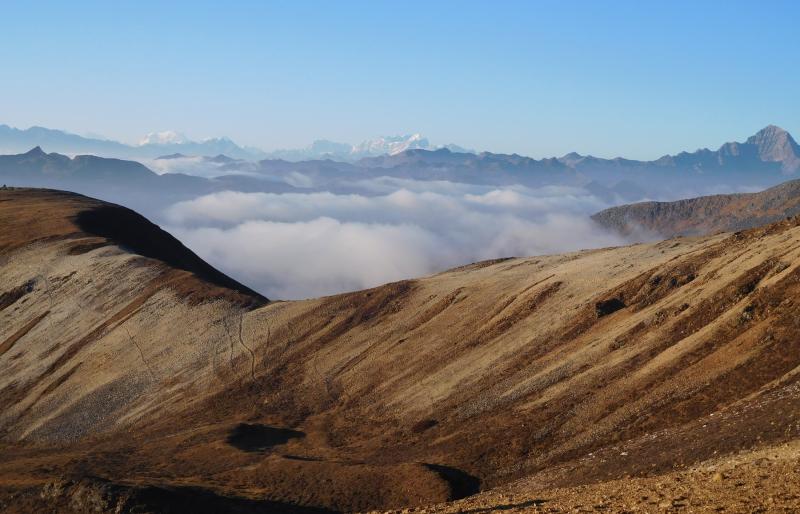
{"x":299,"y":245}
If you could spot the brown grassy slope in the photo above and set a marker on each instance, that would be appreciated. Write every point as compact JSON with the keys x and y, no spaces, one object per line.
{"x":763,"y":480}
{"x":406,"y":394}
{"x":706,"y":214}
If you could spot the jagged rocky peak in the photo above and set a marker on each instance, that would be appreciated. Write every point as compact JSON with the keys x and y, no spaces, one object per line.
{"x":777,"y":145}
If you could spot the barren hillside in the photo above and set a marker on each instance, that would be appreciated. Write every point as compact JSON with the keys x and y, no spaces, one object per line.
{"x":705,"y":214}
{"x":134,"y":376}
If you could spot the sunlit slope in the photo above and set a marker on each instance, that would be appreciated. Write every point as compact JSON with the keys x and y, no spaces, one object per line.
{"x":136,"y":369}
{"x":705,"y":214}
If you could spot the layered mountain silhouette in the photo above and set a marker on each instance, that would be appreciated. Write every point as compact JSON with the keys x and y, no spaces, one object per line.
{"x":770,"y":150}
{"x":14,"y":140}
{"x":135,"y":378}
{"x":765,"y":159}
{"x":122,"y":181}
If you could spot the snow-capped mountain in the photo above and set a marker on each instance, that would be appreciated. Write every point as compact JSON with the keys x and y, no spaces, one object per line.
{"x":14,"y":140}
{"x":163,"y":138}
{"x":386,"y":145}
{"x":391,"y":145}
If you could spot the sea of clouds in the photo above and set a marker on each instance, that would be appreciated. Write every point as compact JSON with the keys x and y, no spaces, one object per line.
{"x":300,"y":245}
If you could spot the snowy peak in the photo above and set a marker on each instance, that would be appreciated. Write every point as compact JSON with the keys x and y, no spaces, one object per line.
{"x":167,"y":137}
{"x":391,"y":145}
{"x":386,"y":145}
{"x":159,"y":143}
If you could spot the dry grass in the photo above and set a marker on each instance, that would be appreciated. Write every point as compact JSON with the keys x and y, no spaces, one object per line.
{"x":137,"y":371}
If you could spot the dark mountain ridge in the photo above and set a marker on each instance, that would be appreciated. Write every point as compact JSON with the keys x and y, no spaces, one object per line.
{"x":705,"y":214}
{"x":771,"y":151}
{"x":37,"y":162}
{"x":118,"y":180}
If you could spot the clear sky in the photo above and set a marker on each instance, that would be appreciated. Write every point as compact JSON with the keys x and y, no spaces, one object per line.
{"x":638,"y":78}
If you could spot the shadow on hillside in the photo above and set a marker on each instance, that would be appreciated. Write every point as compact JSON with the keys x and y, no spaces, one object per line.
{"x":461,"y":484}
{"x":202,"y":501}
{"x":94,"y":494}
{"x":260,"y":438}
{"x":136,"y":233}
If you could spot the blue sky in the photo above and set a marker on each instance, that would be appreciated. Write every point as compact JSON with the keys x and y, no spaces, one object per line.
{"x":541,"y":78}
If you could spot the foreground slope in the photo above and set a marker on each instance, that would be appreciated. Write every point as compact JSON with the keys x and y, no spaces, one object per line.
{"x":763,"y":480}
{"x":130,"y":381}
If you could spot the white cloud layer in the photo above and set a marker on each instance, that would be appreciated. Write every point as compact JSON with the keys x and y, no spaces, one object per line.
{"x":304,"y":245}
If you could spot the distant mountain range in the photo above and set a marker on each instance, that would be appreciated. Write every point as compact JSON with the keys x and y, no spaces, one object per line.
{"x":118,"y":180}
{"x":391,"y":145}
{"x":765,"y":158}
{"x":155,"y":144}
{"x":761,"y":160}
{"x":14,"y":140}
{"x":769,"y":157}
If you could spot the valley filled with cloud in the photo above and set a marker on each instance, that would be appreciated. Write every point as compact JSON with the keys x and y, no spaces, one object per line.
{"x":299,"y":245}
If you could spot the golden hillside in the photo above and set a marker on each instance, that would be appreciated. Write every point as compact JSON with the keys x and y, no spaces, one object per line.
{"x":133,"y":375}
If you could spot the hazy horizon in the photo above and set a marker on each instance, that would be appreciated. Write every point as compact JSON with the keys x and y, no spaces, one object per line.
{"x":140,"y":141}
